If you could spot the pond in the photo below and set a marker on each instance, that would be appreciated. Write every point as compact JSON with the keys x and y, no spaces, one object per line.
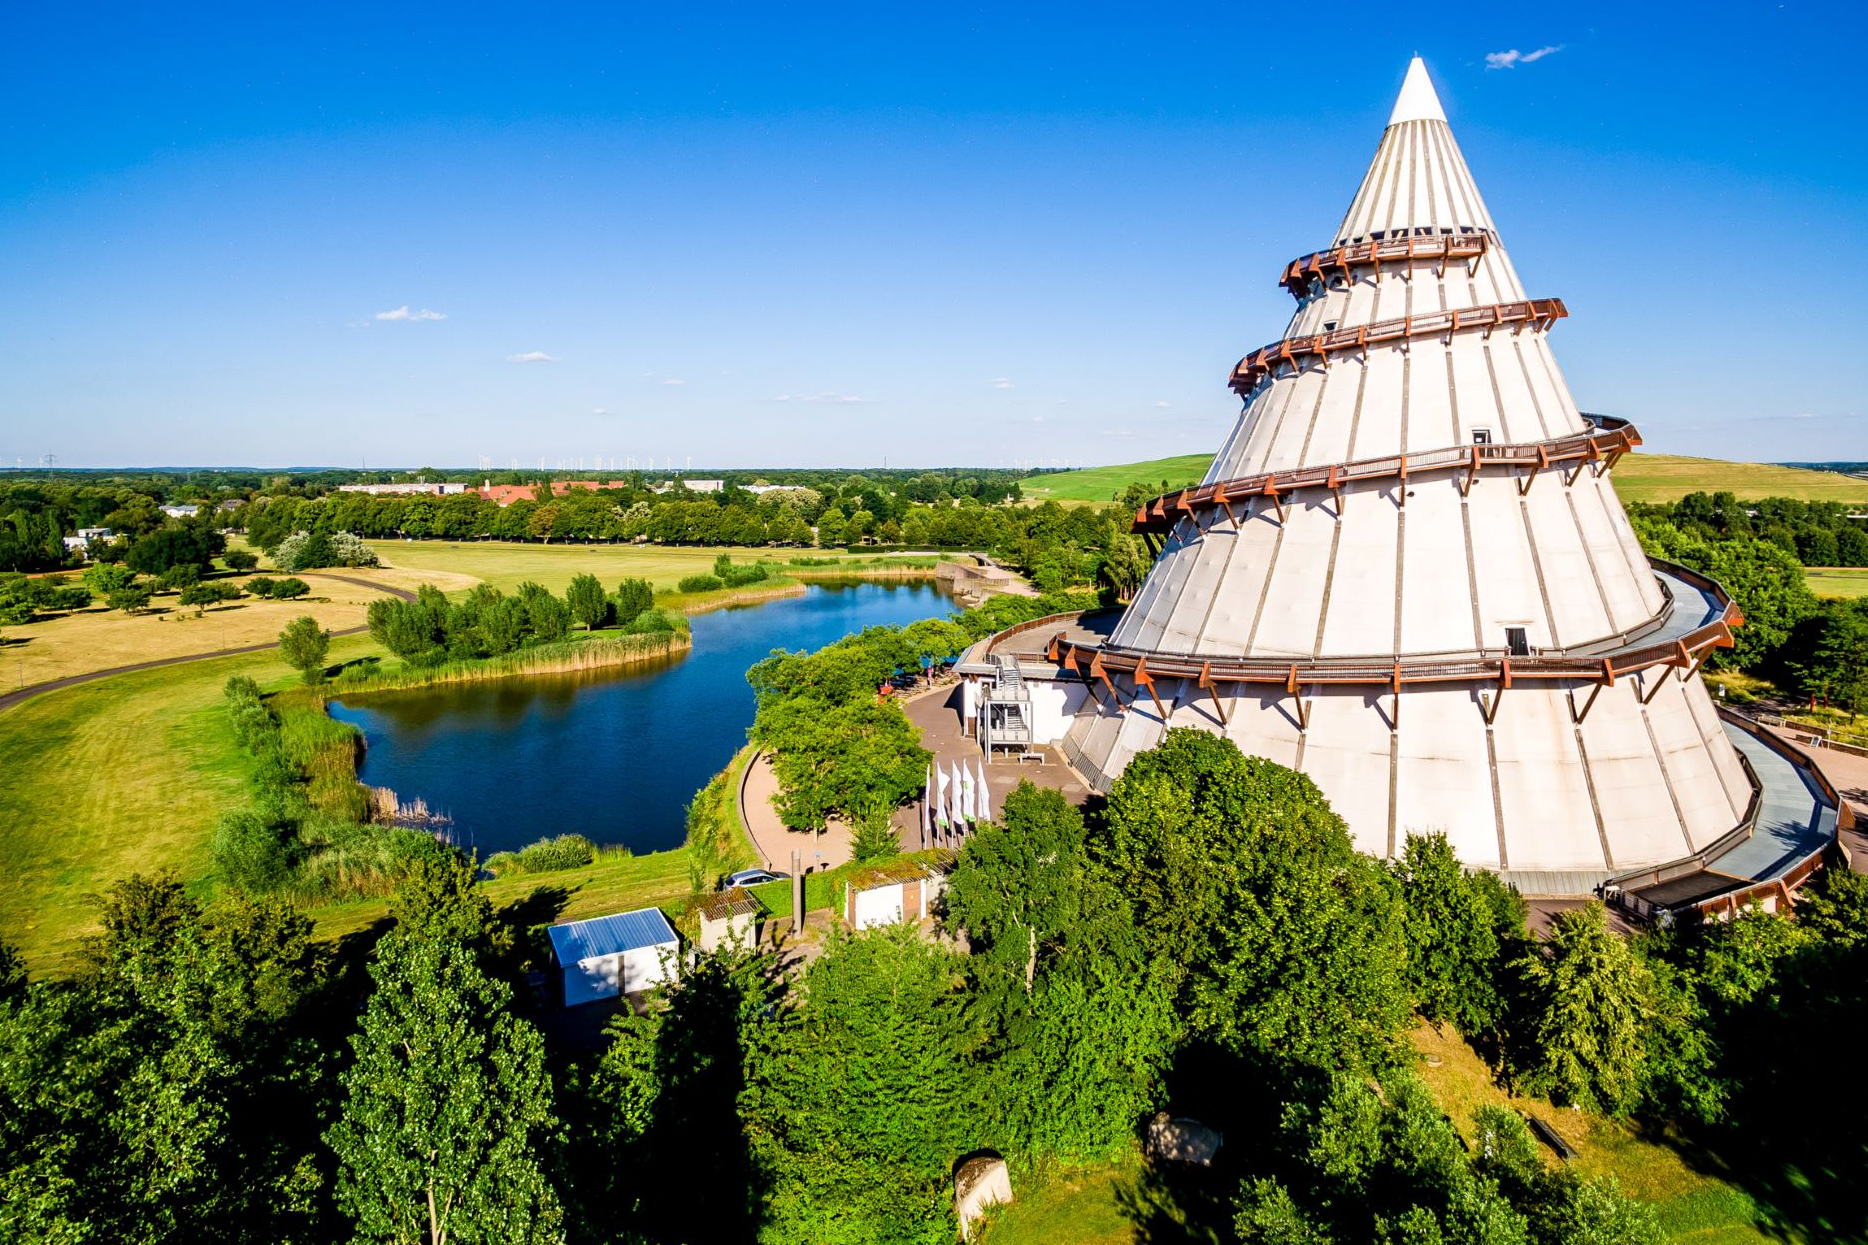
{"x":614,"y":755}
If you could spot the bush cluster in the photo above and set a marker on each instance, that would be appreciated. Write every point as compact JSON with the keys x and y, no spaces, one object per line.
{"x":21,"y":598}
{"x":566,"y":851}
{"x":277,"y":589}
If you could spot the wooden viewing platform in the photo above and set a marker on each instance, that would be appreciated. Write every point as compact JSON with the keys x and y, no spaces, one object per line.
{"x":1301,"y":274}
{"x":1261,"y":363}
{"x":1604,"y":444}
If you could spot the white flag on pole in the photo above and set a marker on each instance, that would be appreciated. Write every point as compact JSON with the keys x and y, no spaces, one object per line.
{"x":940,"y":797}
{"x":969,"y":806}
{"x":927,"y":797}
{"x":985,"y":793}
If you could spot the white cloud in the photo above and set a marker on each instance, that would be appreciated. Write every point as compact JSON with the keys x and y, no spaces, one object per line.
{"x":599,"y":410}
{"x":532,"y":356}
{"x":403,"y":313}
{"x":1037,"y":419}
{"x":1162,"y":406}
{"x":833,"y":399}
{"x":1000,"y":382}
{"x":673,"y":380}
{"x":1512,"y":58}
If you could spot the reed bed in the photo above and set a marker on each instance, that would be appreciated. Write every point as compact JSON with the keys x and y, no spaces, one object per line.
{"x":598,"y":652}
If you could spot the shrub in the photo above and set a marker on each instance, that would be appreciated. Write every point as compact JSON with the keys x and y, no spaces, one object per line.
{"x":131,"y":598}
{"x":700,"y":583}
{"x":288,"y":589}
{"x":181,"y":575}
{"x":567,"y":851}
{"x":209,"y":594}
{"x":253,"y":855}
{"x":654,"y":622}
{"x":239,"y":560}
{"x":261,"y":586}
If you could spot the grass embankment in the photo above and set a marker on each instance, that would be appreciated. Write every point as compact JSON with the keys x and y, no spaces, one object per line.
{"x":1692,"y":1205}
{"x":116,"y":777}
{"x":1105,"y":484}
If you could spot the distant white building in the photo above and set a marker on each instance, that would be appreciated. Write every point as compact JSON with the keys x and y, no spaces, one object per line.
{"x":693,"y":486}
{"x":88,"y":536}
{"x":610,"y":955}
{"x":181,"y":512}
{"x":441,"y":488}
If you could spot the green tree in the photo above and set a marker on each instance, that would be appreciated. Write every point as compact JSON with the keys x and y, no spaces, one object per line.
{"x":239,"y":560}
{"x":632,"y":597}
{"x":304,"y":644}
{"x":131,"y":598}
{"x":586,"y":600}
{"x":105,"y":578}
{"x":862,"y":1094}
{"x":1453,"y":922}
{"x":842,"y":758}
{"x":1125,"y":564}
{"x":204,"y":595}
{"x":448,"y":1103}
{"x":1588,"y":995}
{"x":1289,"y":945}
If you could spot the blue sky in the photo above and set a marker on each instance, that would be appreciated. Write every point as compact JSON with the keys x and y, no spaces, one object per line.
{"x":834,"y":235}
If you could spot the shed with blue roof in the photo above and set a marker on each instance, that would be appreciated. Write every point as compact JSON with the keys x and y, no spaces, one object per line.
{"x":610,"y":955}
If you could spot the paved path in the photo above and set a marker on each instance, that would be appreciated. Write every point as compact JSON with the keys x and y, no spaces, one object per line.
{"x":9,"y":699}
{"x":772,"y":837}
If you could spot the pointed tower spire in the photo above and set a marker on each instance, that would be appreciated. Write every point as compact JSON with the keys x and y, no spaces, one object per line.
{"x":1407,"y":573}
{"x":1417,"y":101}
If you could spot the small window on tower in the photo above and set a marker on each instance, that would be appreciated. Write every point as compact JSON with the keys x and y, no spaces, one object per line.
{"x":1481,"y":436}
{"x":1516,"y":643}
{"x":1329,"y":326}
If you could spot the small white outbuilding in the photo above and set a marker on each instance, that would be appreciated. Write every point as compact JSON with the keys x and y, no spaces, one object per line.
{"x":610,"y":955}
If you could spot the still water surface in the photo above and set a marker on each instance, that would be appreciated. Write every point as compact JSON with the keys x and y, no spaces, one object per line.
{"x":614,"y":756}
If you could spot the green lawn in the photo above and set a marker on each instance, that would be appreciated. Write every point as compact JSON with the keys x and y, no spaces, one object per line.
{"x":111,"y":778}
{"x":507,"y":565}
{"x":1073,"y":1208}
{"x":1837,"y":581}
{"x":1639,"y":477}
{"x":1103,"y":484}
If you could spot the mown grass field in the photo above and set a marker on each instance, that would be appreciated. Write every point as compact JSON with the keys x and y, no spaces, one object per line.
{"x":507,"y":565}
{"x":106,"y":779}
{"x":1639,"y":477}
{"x":1666,"y":477}
{"x":99,"y":639}
{"x":1837,"y":581}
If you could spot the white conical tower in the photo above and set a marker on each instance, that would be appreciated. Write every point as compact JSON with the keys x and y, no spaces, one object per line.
{"x":1406,"y":572}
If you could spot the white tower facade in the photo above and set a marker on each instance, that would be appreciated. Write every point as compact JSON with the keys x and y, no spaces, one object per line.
{"x":1407,"y":574}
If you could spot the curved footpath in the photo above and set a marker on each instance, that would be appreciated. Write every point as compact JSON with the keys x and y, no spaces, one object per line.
{"x":9,"y":699}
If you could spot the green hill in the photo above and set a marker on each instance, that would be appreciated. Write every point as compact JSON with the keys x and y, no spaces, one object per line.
{"x":1639,"y":477}
{"x":1665,"y":477}
{"x":1103,"y":483}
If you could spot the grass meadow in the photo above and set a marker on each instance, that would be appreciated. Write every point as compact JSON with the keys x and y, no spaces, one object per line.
{"x":506,"y":565}
{"x":1639,"y":477}
{"x":1837,"y":581}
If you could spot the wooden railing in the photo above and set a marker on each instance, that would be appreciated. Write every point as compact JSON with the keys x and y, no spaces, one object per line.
{"x":1531,"y":313}
{"x":1598,"y":444}
{"x":1299,"y":273}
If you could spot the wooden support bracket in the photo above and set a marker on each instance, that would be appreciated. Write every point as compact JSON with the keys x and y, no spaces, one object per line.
{"x":1212,"y":689}
{"x":1144,"y":679}
{"x":1577,"y":715}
